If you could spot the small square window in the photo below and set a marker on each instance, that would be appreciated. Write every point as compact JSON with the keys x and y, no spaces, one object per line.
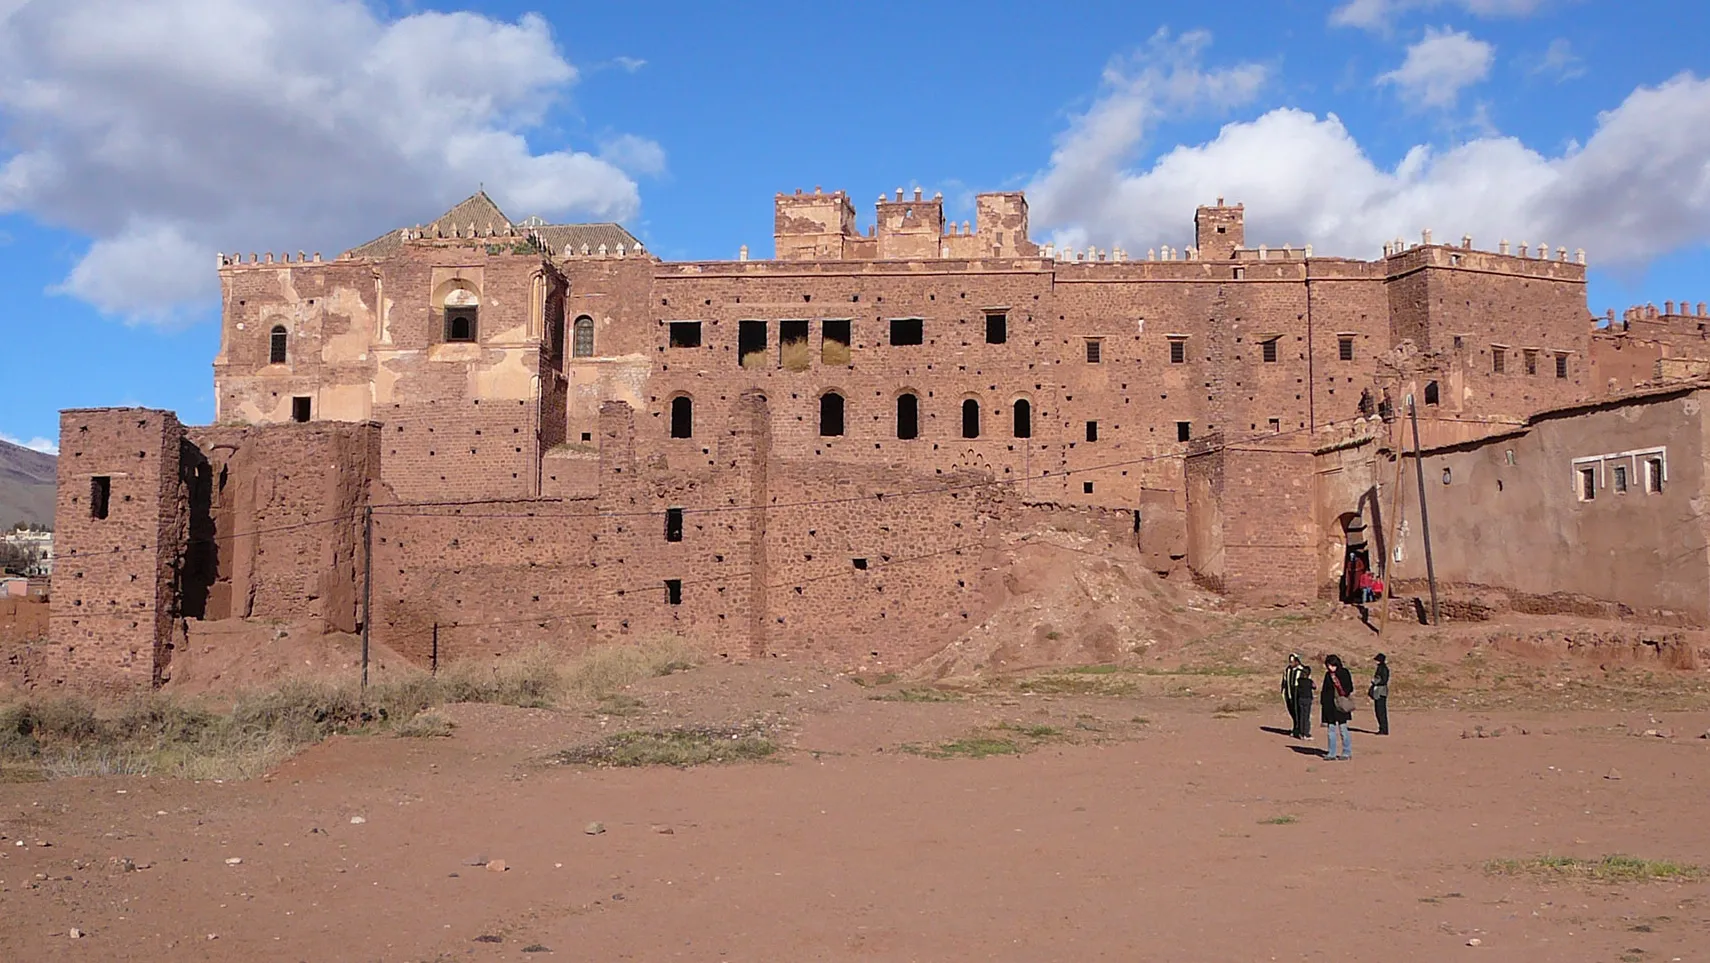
{"x":460,"y":324}
{"x":1620,"y":479}
{"x":906,"y":331}
{"x":1531,"y":359}
{"x":1240,"y":274}
{"x":1094,"y":350}
{"x":1178,"y":351}
{"x":1092,"y":431}
{"x":997,"y":328}
{"x":1275,"y":426}
{"x":1587,"y":484}
{"x":1086,"y":488}
{"x":685,"y":334}
{"x":1269,"y":350}
{"x":1345,"y":348}
{"x":300,"y":409}
{"x":1184,"y":430}
{"x":859,"y":563}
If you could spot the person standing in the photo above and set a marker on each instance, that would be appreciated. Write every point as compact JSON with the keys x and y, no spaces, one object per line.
{"x":1296,"y":682}
{"x":1379,"y":693}
{"x":1338,"y":708}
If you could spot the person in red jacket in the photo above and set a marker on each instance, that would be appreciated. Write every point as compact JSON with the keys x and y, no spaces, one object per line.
{"x":1337,"y":698}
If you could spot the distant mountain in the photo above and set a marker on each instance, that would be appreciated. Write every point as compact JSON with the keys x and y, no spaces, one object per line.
{"x":27,"y":479}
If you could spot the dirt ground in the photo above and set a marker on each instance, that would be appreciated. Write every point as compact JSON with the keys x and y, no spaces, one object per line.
{"x":1157,"y":814}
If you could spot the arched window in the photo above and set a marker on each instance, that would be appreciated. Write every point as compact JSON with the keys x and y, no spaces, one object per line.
{"x":970,"y":419}
{"x":682,"y":414}
{"x":277,"y":345}
{"x":830,"y":415}
{"x":1431,"y":393}
{"x":1023,"y":418}
{"x":908,"y":416}
{"x":462,"y":307}
{"x":584,"y":332}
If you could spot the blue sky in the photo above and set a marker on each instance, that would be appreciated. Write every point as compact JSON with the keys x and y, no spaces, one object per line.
{"x":138,"y":137}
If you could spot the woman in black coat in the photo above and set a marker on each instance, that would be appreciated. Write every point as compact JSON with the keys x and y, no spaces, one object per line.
{"x":1336,"y":697}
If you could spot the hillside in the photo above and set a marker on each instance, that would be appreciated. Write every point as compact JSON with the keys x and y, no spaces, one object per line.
{"x":26,"y":485}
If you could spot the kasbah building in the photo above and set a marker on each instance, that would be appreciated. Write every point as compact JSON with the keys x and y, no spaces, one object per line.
{"x":545,"y":434}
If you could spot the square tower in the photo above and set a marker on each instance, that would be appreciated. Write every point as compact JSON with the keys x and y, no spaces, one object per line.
{"x":122,"y":521}
{"x":1219,"y":231}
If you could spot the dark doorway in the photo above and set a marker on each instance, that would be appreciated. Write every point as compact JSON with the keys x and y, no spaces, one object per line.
{"x":830,"y":415}
{"x":970,"y":419}
{"x":682,"y":417}
{"x":908,"y":416}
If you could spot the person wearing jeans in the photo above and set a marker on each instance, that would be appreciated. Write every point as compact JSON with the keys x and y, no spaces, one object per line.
{"x":1337,"y":701}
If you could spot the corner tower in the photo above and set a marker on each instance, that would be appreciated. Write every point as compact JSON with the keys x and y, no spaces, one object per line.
{"x":1219,"y":231}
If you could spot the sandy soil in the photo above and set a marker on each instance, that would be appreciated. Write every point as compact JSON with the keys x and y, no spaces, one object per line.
{"x":1150,"y":826}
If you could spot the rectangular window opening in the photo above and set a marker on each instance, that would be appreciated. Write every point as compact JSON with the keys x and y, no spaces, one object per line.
{"x":860,"y":564}
{"x":997,"y":328}
{"x":834,"y":343}
{"x":1094,"y":350}
{"x":793,"y":351}
{"x":907,"y":331}
{"x":1561,"y":366}
{"x":685,"y":334}
{"x":460,"y":324}
{"x":1269,"y":349}
{"x":673,"y":524}
{"x":1086,"y":488}
{"x":1092,"y":431}
{"x":299,"y":409}
{"x":673,"y":591}
{"x":1498,"y":360}
{"x":1620,"y":479}
{"x":1275,"y":426}
{"x":1345,"y":348}
{"x":751,"y":344}
{"x":1587,"y":484}
{"x":1240,"y":274}
{"x":1178,"y":351}
{"x":1654,"y":475}
{"x":1184,"y":430}
{"x":1531,"y":359}
{"x":100,"y":493}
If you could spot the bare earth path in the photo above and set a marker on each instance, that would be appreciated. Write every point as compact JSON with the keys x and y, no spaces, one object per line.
{"x":1171,"y":843}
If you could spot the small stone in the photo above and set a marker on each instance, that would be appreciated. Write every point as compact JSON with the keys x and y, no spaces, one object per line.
{"x":357,"y":820}
{"x":1612,"y":774}
{"x":594,"y":829}
{"x":497,"y":866}
{"x":664,"y":830}
{"x":234,"y":861}
{"x":76,"y":933}
{"x":1475,"y":941}
{"x":1652,"y":732}
{"x":475,"y":861}
{"x":213,"y":936}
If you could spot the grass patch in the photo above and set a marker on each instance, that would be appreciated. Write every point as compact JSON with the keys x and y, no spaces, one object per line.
{"x":1234,"y":708}
{"x":1221,"y":671}
{"x":162,"y":734}
{"x":920,"y":694}
{"x":834,"y":353}
{"x":972,"y":747}
{"x":1035,"y":732}
{"x":1078,"y":683}
{"x":1284,"y":820}
{"x":754,"y":359}
{"x":1093,"y":669}
{"x":1609,"y":869}
{"x":795,"y":356}
{"x":680,"y":747}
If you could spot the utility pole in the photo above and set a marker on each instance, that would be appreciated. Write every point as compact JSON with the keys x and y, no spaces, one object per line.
{"x":1424,"y":514}
{"x":367,"y":585}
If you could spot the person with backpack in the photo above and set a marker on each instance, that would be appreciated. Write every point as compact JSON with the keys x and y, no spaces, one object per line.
{"x":1338,"y":708}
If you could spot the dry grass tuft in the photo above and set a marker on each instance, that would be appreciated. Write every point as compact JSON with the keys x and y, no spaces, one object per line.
{"x":680,"y":747}
{"x":1610,"y":869}
{"x":834,"y":353}
{"x":795,"y":356}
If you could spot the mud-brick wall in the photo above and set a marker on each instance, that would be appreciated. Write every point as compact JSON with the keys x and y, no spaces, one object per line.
{"x":116,"y":578}
{"x":1251,"y":530}
{"x":276,"y":521}
{"x":455,"y":449}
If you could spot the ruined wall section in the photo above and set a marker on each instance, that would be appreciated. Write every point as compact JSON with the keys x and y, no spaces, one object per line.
{"x":1625,"y":352}
{"x":1256,"y":537}
{"x":328,"y":311}
{"x":812,"y":227}
{"x":121,"y":521}
{"x":276,"y":519}
{"x":630,"y":331}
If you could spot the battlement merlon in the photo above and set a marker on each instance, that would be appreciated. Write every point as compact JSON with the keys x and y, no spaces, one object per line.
{"x":821,"y":226}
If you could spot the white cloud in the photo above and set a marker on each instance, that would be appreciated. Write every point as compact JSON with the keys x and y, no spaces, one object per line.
{"x":629,"y":64}
{"x":168,"y":129}
{"x":1161,"y":79}
{"x":1637,"y":189}
{"x":1380,"y":15}
{"x":638,"y":155}
{"x":34,"y":444}
{"x":1559,"y":62}
{"x":1439,"y":67}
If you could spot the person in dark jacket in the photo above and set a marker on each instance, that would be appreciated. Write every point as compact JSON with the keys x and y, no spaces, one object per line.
{"x":1337,"y":702}
{"x":1297,"y":695}
{"x":1379,"y":693}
